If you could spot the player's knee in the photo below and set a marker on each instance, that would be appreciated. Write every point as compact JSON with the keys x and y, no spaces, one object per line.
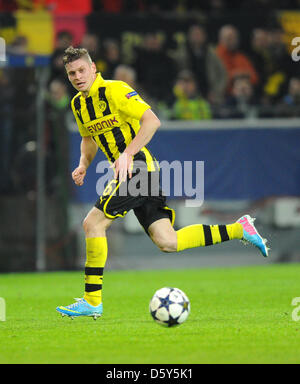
{"x":87,"y":225}
{"x":168,"y":247}
{"x":92,"y":226}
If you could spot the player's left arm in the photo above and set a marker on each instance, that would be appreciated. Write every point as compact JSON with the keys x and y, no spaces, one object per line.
{"x":149,"y":125}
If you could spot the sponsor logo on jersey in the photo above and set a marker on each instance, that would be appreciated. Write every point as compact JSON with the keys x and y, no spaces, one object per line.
{"x":107,"y":123}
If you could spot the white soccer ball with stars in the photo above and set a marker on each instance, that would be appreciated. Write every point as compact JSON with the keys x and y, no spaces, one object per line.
{"x":169,"y":307}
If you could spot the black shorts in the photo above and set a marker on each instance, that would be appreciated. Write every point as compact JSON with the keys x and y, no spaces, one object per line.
{"x":146,"y":200}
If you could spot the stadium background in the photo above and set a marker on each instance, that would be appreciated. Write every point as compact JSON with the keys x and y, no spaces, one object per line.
{"x":246,"y":133}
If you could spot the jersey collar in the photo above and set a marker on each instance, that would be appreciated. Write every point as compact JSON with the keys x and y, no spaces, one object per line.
{"x":96,"y":84}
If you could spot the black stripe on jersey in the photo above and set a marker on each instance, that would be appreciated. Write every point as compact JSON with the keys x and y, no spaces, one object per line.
{"x":77,"y":106}
{"x":92,"y":271}
{"x":140,"y":162}
{"x":102,"y":97}
{"x":140,"y":156}
{"x":90,"y":108}
{"x":93,"y":287}
{"x":106,"y":147}
{"x":207,"y":235}
{"x":223,"y":233}
{"x":120,"y":139}
{"x":131,"y":131}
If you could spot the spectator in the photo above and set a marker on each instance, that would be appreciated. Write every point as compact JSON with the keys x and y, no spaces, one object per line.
{"x":202,"y":60}
{"x":281,"y":68}
{"x":235,"y":62}
{"x":241,"y":103}
{"x":58,"y":95}
{"x":63,"y":40}
{"x":290,"y":103}
{"x":111,"y":58}
{"x":293,"y":96}
{"x":155,"y":69}
{"x":261,"y":56}
{"x":189,"y":104}
{"x":128,"y":75}
{"x":92,"y":44}
{"x":57,"y":67}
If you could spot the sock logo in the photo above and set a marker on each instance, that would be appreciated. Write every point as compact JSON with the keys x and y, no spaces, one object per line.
{"x":2,"y":309}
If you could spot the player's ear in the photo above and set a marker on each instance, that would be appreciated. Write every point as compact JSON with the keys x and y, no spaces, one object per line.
{"x":94,"y":68}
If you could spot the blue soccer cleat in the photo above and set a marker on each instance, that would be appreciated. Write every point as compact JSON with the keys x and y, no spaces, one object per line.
{"x":81,"y":308}
{"x":252,"y":236}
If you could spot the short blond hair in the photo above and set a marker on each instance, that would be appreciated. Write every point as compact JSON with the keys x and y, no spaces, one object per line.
{"x":71,"y":54}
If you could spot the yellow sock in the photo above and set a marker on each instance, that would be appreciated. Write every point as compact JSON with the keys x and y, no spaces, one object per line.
{"x":96,"y":255}
{"x":203,"y":235}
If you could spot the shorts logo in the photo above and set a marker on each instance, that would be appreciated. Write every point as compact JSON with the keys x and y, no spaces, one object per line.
{"x":102,"y":106}
{"x":129,"y":95}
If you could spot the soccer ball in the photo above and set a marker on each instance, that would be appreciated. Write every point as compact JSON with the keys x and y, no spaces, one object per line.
{"x":169,"y":307}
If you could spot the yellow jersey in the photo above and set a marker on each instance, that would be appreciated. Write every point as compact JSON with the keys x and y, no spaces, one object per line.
{"x":111,"y":114}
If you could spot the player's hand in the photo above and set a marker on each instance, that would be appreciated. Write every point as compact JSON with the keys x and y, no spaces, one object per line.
{"x":78,"y":175}
{"x":122,"y":166}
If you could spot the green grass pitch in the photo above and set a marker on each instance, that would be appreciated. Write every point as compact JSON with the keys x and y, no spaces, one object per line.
{"x":238,"y":315}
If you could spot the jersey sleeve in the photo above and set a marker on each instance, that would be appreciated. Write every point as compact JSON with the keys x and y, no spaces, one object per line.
{"x":128,"y":100}
{"x":82,"y":130}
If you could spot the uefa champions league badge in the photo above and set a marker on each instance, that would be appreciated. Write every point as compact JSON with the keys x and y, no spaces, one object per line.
{"x":2,"y":50}
{"x":130,"y":94}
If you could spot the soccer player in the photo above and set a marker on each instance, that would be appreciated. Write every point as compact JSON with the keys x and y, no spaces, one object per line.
{"x":113,"y":117}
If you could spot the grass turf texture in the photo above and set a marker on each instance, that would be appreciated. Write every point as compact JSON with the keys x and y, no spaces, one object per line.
{"x":238,"y":315}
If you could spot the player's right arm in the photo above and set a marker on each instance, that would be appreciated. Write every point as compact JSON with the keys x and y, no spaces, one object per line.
{"x":88,"y":149}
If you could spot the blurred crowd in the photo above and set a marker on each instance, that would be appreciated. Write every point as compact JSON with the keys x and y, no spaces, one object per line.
{"x":199,"y":80}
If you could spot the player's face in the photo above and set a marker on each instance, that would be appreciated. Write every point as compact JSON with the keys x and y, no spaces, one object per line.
{"x":81,"y":74}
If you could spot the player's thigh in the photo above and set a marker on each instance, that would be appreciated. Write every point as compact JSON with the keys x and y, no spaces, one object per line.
{"x":163,"y":235}
{"x":96,"y":221}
